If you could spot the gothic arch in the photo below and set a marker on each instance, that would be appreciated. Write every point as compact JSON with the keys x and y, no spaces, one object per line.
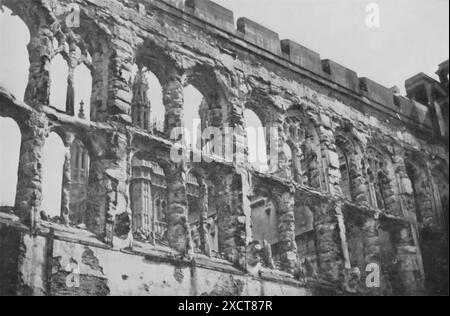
{"x":381,"y":179}
{"x":353,"y":184}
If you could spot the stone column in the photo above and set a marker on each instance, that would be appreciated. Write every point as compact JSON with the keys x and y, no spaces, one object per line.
{"x":173,"y":99}
{"x":179,"y":235}
{"x":29,"y":184}
{"x":70,"y":97}
{"x":119,"y":90}
{"x":285,"y":202}
{"x":329,"y":244}
{"x":203,"y":205}
{"x":330,"y":158}
{"x":66,"y":183}
{"x":232,"y":219}
{"x":357,"y":181}
{"x":40,"y":50}
{"x":109,"y":213}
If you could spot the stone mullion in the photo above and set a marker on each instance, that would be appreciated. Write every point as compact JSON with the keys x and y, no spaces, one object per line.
{"x":203,"y":205}
{"x":357,"y":180}
{"x":66,"y":186}
{"x":330,"y":160}
{"x":286,"y":231}
{"x":70,"y":97}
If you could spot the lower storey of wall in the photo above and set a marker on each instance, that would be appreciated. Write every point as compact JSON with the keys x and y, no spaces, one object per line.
{"x":47,"y":265}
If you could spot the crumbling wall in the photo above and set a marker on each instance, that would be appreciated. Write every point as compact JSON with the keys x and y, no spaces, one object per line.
{"x":315,"y":106}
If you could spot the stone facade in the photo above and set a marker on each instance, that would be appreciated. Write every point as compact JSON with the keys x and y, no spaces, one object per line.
{"x":365,"y":183}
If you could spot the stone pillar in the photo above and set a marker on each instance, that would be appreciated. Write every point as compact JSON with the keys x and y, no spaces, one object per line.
{"x":232,"y":219}
{"x":357,"y":181}
{"x":29,"y":184}
{"x":329,"y":244}
{"x":285,"y":202}
{"x":66,"y":183}
{"x":119,"y":90}
{"x":330,"y":158}
{"x":203,"y":205}
{"x":40,"y":50}
{"x":70,"y":97}
{"x":179,"y":235}
{"x":173,"y":99}
{"x":109,"y":213}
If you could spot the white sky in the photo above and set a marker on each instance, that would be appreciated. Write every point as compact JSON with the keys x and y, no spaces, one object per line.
{"x":413,"y":36}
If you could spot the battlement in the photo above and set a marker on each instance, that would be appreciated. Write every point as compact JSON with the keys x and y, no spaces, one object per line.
{"x":303,"y":57}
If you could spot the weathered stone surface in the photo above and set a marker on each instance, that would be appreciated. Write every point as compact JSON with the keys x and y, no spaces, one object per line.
{"x":362,"y":174}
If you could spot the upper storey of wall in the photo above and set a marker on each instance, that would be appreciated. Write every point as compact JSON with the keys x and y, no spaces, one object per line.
{"x":263,"y":38}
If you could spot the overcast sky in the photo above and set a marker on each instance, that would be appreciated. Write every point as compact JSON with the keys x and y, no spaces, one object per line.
{"x":412,"y":38}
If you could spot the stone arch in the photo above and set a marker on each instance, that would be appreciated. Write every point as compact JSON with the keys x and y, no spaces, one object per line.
{"x":349,"y":151}
{"x":381,"y":180}
{"x":10,"y":143}
{"x":300,"y":130}
{"x":154,"y":56}
{"x":15,"y":59}
{"x":147,"y":108}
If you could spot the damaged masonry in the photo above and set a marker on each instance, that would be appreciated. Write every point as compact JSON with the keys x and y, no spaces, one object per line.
{"x":360,"y":188}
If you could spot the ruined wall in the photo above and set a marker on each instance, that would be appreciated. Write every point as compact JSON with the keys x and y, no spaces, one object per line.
{"x":316,"y":106}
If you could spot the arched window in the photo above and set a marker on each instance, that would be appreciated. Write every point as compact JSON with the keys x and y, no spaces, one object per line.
{"x":83,"y":88}
{"x":80,"y":162}
{"x":379,"y":179}
{"x":14,"y":62}
{"x":345,"y":173}
{"x":256,"y":141}
{"x":193,"y":101}
{"x":10,"y":139}
{"x":52,"y":174}
{"x":59,"y":74}
{"x":148,"y":111}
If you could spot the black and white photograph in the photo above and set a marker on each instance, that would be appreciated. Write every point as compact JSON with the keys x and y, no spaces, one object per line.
{"x":226,"y":155}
